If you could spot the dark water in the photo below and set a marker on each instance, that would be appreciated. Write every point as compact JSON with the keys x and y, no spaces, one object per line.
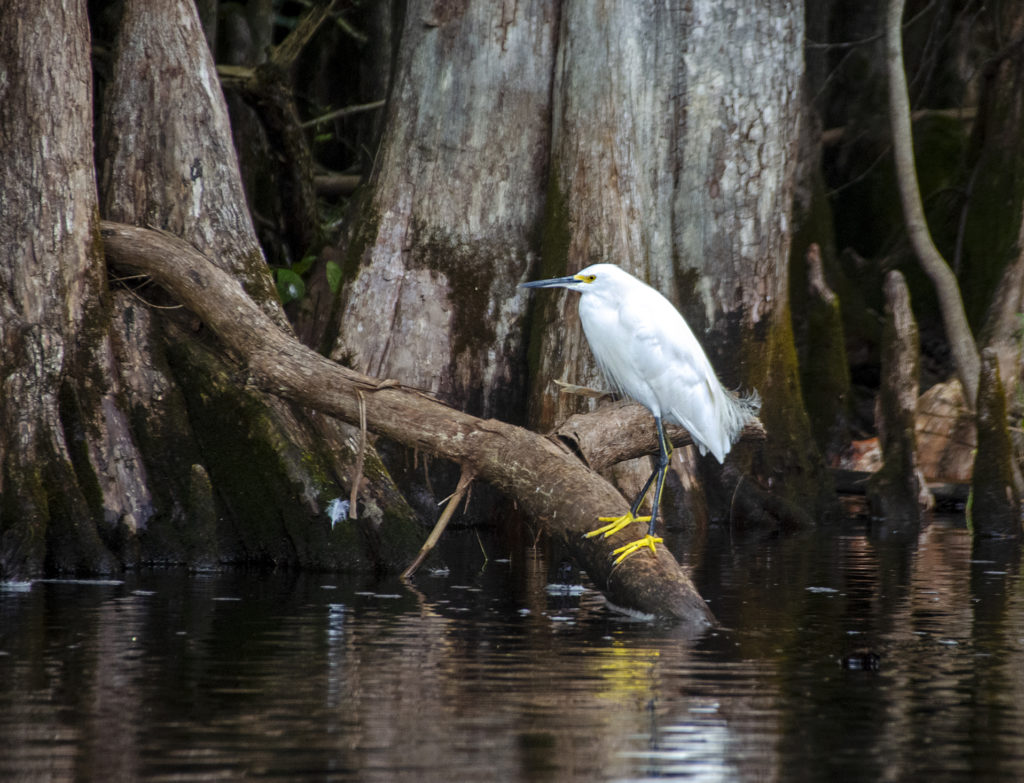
{"x":487,"y":674}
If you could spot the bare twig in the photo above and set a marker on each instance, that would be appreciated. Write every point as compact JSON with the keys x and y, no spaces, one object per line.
{"x":357,"y":471}
{"x":343,"y":112}
{"x":435,"y":535}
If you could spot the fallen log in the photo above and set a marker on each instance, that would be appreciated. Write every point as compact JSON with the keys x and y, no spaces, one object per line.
{"x":544,"y":477}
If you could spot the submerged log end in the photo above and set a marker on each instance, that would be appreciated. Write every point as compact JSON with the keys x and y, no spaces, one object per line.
{"x":645,"y":584}
{"x":658,"y":586}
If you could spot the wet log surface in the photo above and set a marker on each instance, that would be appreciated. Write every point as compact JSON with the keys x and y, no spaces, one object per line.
{"x":545,"y":478}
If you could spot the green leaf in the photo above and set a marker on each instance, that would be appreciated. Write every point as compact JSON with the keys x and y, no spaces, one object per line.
{"x":301,"y":267}
{"x":333,"y":276}
{"x":289,"y":285}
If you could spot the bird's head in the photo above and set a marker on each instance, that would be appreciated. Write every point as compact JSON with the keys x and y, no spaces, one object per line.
{"x":595,"y":277}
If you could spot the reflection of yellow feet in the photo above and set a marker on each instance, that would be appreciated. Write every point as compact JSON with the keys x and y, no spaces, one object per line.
{"x":616,"y":524}
{"x":635,"y":546}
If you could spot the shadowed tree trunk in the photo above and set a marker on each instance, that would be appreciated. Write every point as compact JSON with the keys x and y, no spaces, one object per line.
{"x":995,"y":510}
{"x":958,"y":331}
{"x":898,"y":491}
{"x":994,"y":225}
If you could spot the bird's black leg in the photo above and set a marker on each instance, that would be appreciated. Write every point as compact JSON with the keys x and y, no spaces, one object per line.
{"x":643,"y":492}
{"x":664,"y":457}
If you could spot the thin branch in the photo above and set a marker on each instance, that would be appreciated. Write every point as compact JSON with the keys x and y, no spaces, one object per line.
{"x":435,"y":535}
{"x":287,"y":52}
{"x":344,"y":112}
{"x":357,"y":471}
{"x":962,"y":345}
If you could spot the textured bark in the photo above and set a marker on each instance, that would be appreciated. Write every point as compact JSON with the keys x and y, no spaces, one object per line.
{"x":449,"y":228}
{"x":546,"y":480}
{"x":167,"y":156}
{"x":51,"y":285}
{"x":898,"y":491}
{"x":624,"y":431}
{"x":616,"y":117}
{"x":824,"y":369}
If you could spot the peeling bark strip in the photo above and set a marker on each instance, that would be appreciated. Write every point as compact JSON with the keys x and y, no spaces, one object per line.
{"x":547,"y":481}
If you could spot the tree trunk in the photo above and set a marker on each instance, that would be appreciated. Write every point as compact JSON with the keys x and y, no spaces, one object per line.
{"x":448,"y":230}
{"x":52,"y":327}
{"x":546,"y":480}
{"x":995,"y":510}
{"x":673,"y":156}
{"x":993,"y":240}
{"x":994,"y":227}
{"x":898,"y":491}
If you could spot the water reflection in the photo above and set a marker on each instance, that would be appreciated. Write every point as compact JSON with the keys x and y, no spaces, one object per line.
{"x":488,"y":673}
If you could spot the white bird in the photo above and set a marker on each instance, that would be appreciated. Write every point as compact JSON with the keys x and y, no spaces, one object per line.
{"x":647,"y":352}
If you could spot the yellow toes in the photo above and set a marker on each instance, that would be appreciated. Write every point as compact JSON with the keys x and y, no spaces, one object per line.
{"x":616,"y":524}
{"x":635,"y":546}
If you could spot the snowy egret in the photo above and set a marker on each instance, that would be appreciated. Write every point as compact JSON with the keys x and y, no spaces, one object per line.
{"x":647,"y":352}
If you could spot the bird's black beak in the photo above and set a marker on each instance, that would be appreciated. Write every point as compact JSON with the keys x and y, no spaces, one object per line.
{"x":554,"y":282}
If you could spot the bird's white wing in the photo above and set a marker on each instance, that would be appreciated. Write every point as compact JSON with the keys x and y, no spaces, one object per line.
{"x":664,"y":351}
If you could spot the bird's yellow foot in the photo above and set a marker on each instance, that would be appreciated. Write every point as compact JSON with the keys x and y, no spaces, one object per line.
{"x":635,"y":546}
{"x":615,"y":524}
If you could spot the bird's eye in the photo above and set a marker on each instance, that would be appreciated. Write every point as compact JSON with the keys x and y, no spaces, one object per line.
{"x":586,"y":278}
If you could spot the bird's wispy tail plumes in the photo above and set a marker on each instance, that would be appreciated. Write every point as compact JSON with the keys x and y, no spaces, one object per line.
{"x":737,"y":411}
{"x":745,"y":408}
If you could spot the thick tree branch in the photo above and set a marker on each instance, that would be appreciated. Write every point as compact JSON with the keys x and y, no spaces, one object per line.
{"x":961,"y":341}
{"x":546,"y":480}
{"x":624,"y":430}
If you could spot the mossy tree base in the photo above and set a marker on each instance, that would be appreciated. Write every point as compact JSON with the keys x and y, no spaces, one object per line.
{"x":996,"y":509}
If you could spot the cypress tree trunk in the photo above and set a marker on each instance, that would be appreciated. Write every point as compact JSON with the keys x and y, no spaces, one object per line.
{"x":897,"y":491}
{"x":52,"y":323}
{"x":449,"y":227}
